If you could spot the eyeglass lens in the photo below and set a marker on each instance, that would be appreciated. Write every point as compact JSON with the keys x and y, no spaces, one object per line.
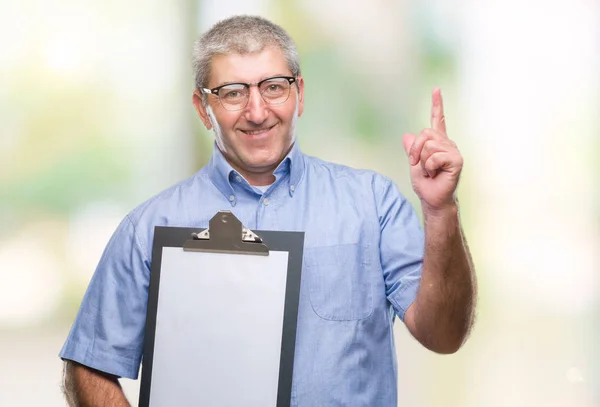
{"x":235,"y":96}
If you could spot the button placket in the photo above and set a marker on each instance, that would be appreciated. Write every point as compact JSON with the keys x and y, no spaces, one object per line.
{"x":266,"y":212}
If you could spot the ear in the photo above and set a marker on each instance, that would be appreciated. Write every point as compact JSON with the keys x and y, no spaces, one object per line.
{"x":201,"y":109}
{"x":300,"y":88}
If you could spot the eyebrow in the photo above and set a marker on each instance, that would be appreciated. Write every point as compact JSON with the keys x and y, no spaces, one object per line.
{"x":241,"y":82}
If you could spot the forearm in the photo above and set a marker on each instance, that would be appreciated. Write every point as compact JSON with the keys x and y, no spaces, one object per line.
{"x":85,"y":387}
{"x":445,"y":305}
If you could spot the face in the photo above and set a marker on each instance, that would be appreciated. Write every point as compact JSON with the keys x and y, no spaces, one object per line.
{"x":256,"y":138}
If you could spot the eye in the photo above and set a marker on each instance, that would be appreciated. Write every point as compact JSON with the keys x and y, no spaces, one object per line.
{"x":274,"y":86}
{"x":232,"y":92}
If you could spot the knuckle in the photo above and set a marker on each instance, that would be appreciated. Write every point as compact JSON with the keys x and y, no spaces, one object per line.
{"x":433,"y":134}
{"x":432,"y":145}
{"x":431,"y":162}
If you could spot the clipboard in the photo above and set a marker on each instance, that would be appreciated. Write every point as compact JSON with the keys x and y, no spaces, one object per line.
{"x":222,"y":316}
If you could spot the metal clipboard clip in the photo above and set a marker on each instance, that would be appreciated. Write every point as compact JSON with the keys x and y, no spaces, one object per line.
{"x":226,"y":234}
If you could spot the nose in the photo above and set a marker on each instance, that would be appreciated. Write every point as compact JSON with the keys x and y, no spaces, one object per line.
{"x":256,"y":109}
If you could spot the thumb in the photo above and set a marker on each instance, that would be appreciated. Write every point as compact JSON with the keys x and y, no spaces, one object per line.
{"x":408,"y":140}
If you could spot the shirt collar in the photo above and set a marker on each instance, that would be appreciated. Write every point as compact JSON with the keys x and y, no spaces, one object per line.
{"x":221,"y":172}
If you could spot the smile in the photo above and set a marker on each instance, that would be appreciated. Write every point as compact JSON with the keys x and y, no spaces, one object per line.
{"x":258,"y":131}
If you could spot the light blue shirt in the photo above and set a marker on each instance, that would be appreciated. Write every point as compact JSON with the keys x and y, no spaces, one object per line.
{"x":362,"y":266}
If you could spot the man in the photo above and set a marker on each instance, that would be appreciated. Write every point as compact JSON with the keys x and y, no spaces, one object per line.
{"x":366,"y":256}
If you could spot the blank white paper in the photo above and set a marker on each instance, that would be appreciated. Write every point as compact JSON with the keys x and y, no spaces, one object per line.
{"x":218,"y":329}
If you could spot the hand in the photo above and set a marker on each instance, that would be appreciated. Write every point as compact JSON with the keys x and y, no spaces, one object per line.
{"x":435,"y":162}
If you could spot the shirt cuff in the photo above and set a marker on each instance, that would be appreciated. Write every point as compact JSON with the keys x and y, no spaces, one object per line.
{"x":404,"y":297}
{"x":103,"y":361}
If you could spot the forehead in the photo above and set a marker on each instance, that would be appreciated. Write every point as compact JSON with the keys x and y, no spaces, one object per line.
{"x":250,"y":67}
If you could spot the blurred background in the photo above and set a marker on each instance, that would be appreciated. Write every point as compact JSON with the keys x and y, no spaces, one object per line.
{"x":96,"y":116}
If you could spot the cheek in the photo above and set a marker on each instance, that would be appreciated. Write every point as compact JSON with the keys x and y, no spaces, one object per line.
{"x":286,"y":114}
{"x":228,"y":123}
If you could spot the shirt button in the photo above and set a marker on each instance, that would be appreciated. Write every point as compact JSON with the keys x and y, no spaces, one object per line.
{"x":231,"y":198}
{"x":292,"y":188}
{"x":238,"y":178}
{"x":266,"y":201}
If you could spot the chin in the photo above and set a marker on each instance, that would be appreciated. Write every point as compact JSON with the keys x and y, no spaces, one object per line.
{"x":263,"y":159}
{"x":268,"y":152}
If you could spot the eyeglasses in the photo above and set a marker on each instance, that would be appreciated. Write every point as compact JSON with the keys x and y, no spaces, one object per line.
{"x":235,"y":96}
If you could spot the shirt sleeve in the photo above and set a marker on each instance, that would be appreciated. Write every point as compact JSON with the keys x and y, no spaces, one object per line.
{"x":108,"y":332}
{"x":402,"y":246}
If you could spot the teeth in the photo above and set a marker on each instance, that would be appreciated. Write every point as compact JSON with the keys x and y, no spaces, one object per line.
{"x":256,"y":131}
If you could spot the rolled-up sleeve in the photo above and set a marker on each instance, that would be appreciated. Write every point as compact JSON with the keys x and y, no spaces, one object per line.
{"x":402,"y":246}
{"x":108,"y":332}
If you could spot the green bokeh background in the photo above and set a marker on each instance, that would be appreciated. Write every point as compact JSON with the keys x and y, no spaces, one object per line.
{"x":96,"y":116}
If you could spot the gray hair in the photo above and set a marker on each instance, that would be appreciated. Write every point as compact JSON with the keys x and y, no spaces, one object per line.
{"x":242,"y":35}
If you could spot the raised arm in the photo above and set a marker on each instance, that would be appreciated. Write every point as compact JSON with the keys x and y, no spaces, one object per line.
{"x":443,"y":313}
{"x":86,"y":387}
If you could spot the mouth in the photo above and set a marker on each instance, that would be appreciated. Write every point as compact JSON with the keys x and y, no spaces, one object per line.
{"x":258,"y":132}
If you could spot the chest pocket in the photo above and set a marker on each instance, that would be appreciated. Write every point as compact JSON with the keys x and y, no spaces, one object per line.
{"x":340,"y":286}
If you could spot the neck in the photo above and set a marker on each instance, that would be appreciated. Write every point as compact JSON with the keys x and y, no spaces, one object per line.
{"x":255,"y":176}
{"x":259,"y":179}
{"x":259,"y":176}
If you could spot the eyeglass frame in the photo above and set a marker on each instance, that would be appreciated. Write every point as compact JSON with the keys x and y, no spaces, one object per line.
{"x":215,"y":91}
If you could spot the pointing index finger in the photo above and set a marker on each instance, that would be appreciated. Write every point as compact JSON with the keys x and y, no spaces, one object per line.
{"x":438,"y":120}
